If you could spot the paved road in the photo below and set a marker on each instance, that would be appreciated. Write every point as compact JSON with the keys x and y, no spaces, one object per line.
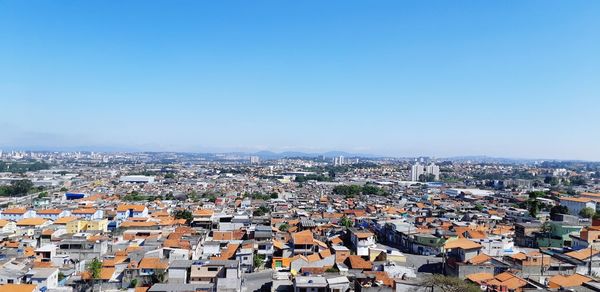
{"x":259,"y":281}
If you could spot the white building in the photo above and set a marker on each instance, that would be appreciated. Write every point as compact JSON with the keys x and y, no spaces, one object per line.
{"x":434,"y":170}
{"x":416,"y":171}
{"x":362,"y":240}
{"x":53,"y":214}
{"x":575,"y":205}
{"x":497,"y":246}
{"x":16,"y":214}
{"x":127,"y":211}
{"x":136,"y":179}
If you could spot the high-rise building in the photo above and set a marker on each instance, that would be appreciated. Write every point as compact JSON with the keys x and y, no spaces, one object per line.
{"x":254,"y":159}
{"x":434,"y":170}
{"x":416,"y":171}
{"x":339,"y":160}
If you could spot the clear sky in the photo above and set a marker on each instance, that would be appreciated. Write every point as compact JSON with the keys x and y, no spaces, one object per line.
{"x":403,"y":78}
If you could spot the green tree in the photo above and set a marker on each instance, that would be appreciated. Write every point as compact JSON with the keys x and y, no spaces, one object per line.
{"x":284,"y":227}
{"x":258,"y":260}
{"x":346,"y":222}
{"x":426,"y":177}
{"x":261,"y":211}
{"x":133,"y":283}
{"x":93,"y":268}
{"x":159,"y":276}
{"x":587,"y":212}
{"x":578,"y":180}
{"x":559,"y":209}
{"x":184,"y":214}
{"x":21,"y":187}
{"x":193,"y":196}
{"x":533,"y":203}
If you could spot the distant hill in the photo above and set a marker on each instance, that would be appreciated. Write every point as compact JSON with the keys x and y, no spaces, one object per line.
{"x":329,"y":154}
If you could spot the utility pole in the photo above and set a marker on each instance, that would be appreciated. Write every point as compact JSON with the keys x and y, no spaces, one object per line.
{"x":590,"y":261}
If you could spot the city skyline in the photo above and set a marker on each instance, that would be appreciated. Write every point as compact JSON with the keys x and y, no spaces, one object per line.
{"x":503,"y":79}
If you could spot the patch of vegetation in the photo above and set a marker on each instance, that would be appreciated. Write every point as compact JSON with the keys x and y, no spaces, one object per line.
{"x":350,"y":191}
{"x":16,"y":188}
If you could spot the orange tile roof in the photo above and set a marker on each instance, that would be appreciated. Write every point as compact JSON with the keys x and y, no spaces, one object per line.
{"x":18,"y":288}
{"x":65,"y":220}
{"x":177,"y":243}
{"x":313,"y":257}
{"x":383,"y":277}
{"x":203,"y":212}
{"x":480,"y":277}
{"x":461,"y":243}
{"x":106,"y":273}
{"x":153,"y":263}
{"x":583,"y":254}
{"x":325,"y":253}
{"x":84,"y":211}
{"x":573,"y":199}
{"x":479,"y":259}
{"x":14,"y":211}
{"x":138,"y":224}
{"x":48,"y":231}
{"x":560,"y":281}
{"x":278,"y":244}
{"x":11,"y":244}
{"x":356,"y":262}
{"x":31,"y":221}
{"x":3,"y":223}
{"x":361,"y":234}
{"x":303,"y":237}
{"x":49,"y":211}
{"x":38,"y":264}
{"x":135,"y":208}
{"x":115,"y":261}
{"x":508,"y":280}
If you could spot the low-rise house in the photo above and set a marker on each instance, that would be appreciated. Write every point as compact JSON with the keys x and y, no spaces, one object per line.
{"x":77,"y":226}
{"x":361,"y":240}
{"x":52,"y":214}
{"x":88,"y":213}
{"x":16,"y":214}
{"x":43,"y":278}
{"x":7,"y":226}
{"x":126,"y":211}
{"x":310,"y":284}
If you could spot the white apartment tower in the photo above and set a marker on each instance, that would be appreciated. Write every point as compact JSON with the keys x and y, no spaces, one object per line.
{"x":417,"y":170}
{"x":339,"y":161}
{"x":433,"y":169}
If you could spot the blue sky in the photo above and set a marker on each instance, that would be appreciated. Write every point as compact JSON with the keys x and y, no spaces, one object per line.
{"x":402,"y":78}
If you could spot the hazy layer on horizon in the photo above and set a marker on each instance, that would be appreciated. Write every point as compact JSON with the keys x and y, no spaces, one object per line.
{"x":514,"y":79}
